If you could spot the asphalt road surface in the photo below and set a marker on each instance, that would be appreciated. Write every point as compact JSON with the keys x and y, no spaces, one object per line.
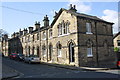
{"x":45,"y":71}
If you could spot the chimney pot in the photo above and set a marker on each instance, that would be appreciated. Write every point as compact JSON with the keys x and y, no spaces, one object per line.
{"x":30,"y":29}
{"x":74,"y":7}
{"x":70,"y":6}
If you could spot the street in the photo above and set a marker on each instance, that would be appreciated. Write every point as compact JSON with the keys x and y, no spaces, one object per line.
{"x":45,"y":71}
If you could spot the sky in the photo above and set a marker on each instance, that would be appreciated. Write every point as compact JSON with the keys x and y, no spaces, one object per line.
{"x":16,"y":15}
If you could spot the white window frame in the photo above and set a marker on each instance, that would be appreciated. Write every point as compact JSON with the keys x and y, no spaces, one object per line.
{"x":64,"y":29}
{"x":44,"y":52}
{"x":118,"y":41}
{"x":88,"y":28}
{"x":60,"y":27}
{"x":67,"y":25}
{"x":44,"y":35}
{"x":89,"y":52}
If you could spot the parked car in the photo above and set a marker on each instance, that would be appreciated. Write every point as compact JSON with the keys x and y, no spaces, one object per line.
{"x":13,"y":56}
{"x":118,"y":64}
{"x":118,"y":59}
{"x":3,"y":55}
{"x":32,"y":59}
{"x":20,"y":56}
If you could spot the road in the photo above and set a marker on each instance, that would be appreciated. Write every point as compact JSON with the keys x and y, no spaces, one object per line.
{"x":46,"y":71}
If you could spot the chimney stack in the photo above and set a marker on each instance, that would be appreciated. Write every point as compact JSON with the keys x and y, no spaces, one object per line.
{"x":25,"y":31}
{"x":55,"y":14}
{"x":21,"y":32}
{"x":13,"y":35}
{"x":30,"y":29}
{"x":72,"y":8}
{"x":46,"y":21}
{"x":37,"y":25}
{"x":16,"y":34}
{"x":5,"y":36}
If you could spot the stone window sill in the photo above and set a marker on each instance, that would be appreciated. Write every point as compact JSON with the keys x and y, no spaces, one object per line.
{"x":59,"y":56}
{"x":89,"y":55}
{"x":64,"y":35}
{"x":89,"y":33}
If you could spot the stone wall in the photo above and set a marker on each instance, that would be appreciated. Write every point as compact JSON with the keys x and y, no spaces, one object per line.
{"x":104,"y":43}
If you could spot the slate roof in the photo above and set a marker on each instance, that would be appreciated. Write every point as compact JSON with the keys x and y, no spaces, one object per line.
{"x":116,"y":35}
{"x":79,"y":15}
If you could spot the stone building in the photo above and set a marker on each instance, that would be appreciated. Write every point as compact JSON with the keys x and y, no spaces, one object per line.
{"x":4,"y":44}
{"x":0,"y":44}
{"x":72,"y":38}
{"x":15,"y":45}
{"x":116,"y":39}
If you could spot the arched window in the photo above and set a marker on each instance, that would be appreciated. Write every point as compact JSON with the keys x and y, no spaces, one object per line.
{"x":89,"y":49}
{"x":50,"y":33}
{"x":59,"y":47}
{"x":29,"y":38}
{"x":67,"y":26}
{"x":44,"y":35}
{"x":60,"y":29}
{"x":44,"y":50}
{"x":63,"y":28}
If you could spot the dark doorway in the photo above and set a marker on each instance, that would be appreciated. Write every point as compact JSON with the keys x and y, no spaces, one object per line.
{"x":71,"y":52}
{"x":38,"y":51}
{"x":33,"y":50}
{"x":50,"y":52}
{"x":29,"y":50}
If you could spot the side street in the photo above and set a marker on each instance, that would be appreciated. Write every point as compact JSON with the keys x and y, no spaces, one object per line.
{"x":18,"y":69}
{"x":71,"y":45}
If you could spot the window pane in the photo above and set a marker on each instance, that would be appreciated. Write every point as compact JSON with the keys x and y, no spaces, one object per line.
{"x":89,"y":52}
{"x":88,"y":27}
{"x":118,"y":42}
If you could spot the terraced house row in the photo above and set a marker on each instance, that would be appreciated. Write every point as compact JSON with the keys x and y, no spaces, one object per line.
{"x":72,"y":38}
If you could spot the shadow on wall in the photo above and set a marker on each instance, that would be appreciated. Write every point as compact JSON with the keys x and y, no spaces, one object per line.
{"x":15,"y":45}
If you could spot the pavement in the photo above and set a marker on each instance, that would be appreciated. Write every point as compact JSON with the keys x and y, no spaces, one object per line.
{"x":78,"y":68}
{"x":8,"y":72}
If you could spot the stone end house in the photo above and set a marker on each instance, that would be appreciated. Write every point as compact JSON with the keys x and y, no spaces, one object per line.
{"x":116,"y":39}
{"x":4,"y":44}
{"x":72,"y":38}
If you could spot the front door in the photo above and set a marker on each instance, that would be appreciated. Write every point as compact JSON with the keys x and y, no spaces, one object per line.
{"x":50,"y":52}
{"x":71,"y":52}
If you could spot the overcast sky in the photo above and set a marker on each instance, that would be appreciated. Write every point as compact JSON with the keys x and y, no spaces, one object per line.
{"x":16,"y":15}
